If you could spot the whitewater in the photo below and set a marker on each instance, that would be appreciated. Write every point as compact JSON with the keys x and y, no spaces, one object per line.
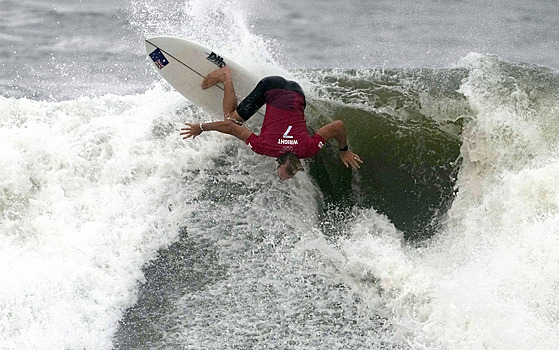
{"x":117,"y":234}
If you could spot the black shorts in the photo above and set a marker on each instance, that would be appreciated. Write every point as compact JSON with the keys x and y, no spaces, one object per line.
{"x":257,"y":98}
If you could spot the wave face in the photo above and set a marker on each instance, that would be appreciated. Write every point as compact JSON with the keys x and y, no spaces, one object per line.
{"x":491,"y":255}
{"x":407,"y":124}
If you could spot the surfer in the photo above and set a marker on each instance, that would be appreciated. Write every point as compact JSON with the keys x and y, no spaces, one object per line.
{"x":284,"y":132}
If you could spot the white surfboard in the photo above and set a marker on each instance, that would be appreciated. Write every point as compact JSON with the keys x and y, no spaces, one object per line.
{"x":184,"y":64}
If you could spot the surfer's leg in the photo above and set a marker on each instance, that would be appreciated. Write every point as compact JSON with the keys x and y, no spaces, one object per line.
{"x":217,"y":76}
{"x":223,"y":76}
{"x":229,"y":95}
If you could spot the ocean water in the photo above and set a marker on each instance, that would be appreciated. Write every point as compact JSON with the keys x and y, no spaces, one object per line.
{"x":117,"y":234}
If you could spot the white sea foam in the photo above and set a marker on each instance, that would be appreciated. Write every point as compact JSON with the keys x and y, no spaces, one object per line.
{"x":86,"y":192}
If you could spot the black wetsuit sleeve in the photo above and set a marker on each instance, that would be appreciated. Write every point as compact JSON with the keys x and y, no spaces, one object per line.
{"x":252,"y":103}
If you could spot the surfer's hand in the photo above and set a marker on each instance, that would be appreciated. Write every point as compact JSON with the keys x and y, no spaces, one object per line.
{"x":191,"y":130}
{"x":350,"y":159}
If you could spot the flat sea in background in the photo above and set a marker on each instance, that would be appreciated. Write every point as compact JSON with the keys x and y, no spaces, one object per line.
{"x":65,"y":48}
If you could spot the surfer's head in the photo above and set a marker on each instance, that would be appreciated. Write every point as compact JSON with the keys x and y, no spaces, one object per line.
{"x":289,"y":165}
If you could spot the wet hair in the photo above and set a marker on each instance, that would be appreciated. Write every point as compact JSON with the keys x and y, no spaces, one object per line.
{"x":294,"y":163}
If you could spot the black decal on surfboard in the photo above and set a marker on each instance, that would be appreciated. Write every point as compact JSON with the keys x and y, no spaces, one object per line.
{"x":217,"y":60}
{"x":159,"y":59}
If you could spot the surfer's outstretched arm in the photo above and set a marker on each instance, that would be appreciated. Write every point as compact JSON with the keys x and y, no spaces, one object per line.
{"x":336,"y":130}
{"x":225,"y":126}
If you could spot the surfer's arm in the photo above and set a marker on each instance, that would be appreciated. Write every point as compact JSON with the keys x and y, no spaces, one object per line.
{"x":336,"y":130}
{"x":225,"y":127}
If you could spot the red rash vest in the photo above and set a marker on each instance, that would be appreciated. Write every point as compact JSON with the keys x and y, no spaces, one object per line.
{"x":284,"y":128}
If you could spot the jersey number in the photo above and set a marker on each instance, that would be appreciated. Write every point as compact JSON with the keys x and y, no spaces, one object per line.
{"x":285,"y":134}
